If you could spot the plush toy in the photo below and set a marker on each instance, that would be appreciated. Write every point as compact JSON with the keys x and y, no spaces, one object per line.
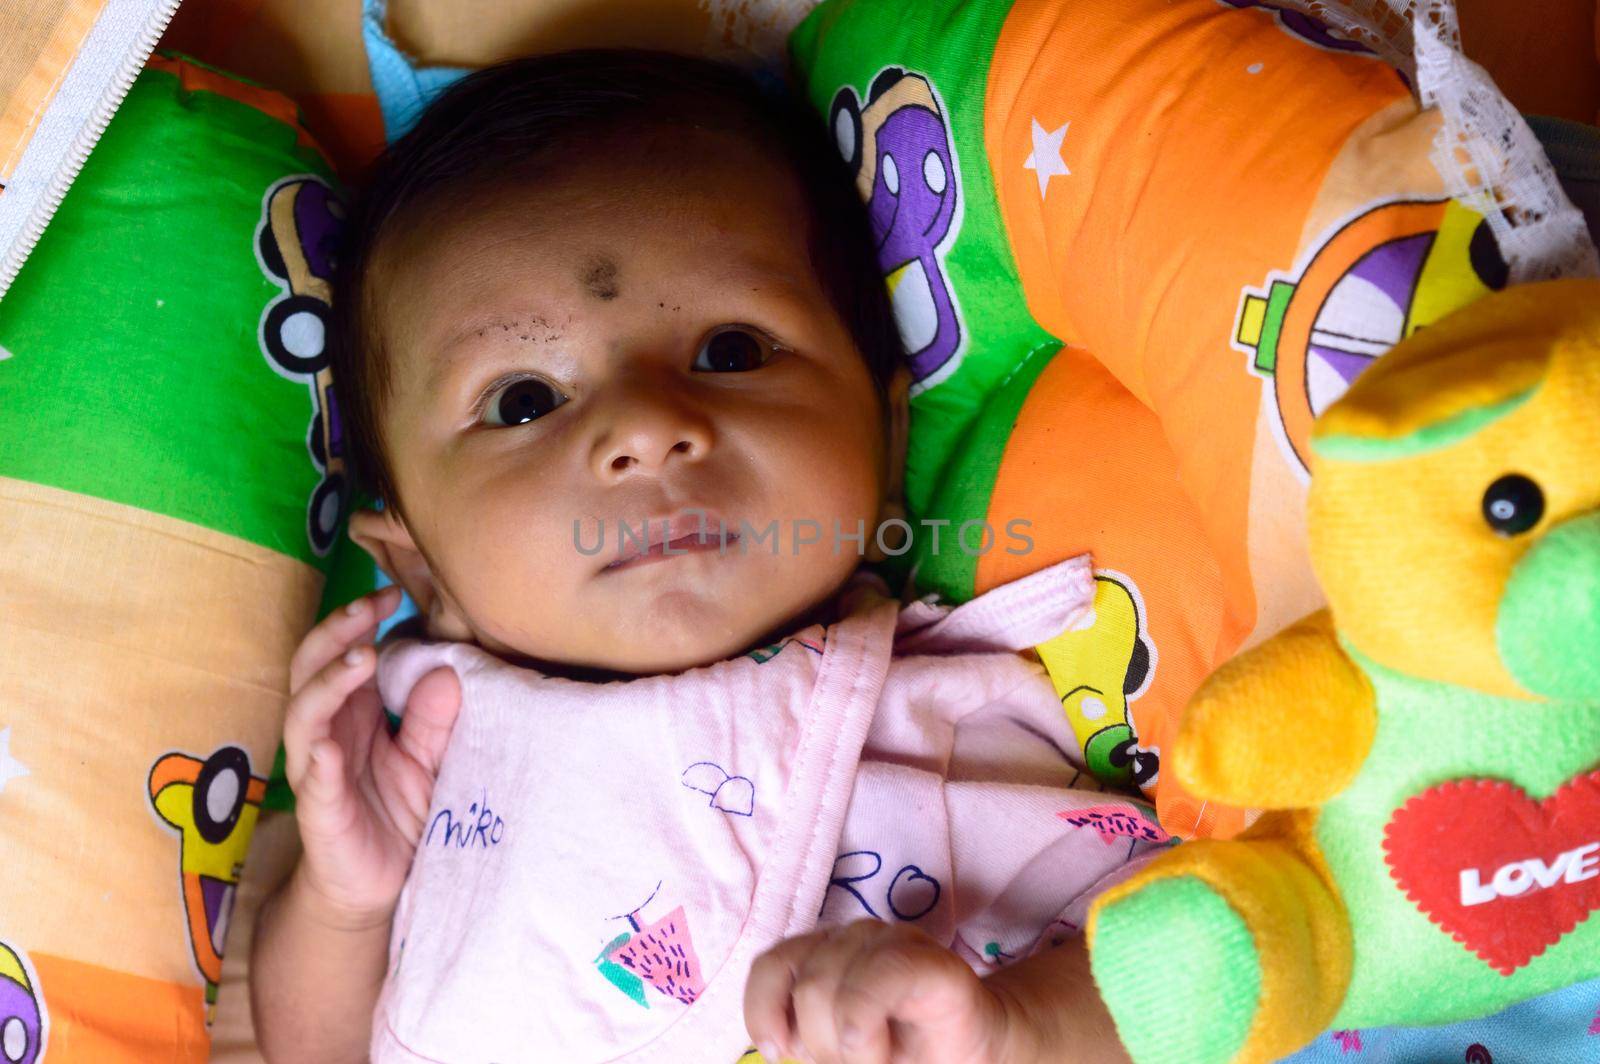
{"x":1428,"y":748}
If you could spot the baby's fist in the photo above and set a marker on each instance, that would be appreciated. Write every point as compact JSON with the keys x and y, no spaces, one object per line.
{"x":871,"y":993}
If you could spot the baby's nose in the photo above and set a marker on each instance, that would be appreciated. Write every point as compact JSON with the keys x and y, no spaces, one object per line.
{"x":648,"y":431}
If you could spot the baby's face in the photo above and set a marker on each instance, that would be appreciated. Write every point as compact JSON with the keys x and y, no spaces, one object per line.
{"x":642,"y":338}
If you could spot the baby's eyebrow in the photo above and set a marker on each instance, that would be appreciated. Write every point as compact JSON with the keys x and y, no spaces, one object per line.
{"x":533,"y":329}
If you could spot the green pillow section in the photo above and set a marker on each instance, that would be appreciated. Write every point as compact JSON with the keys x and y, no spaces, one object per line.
{"x":917,"y":136}
{"x":171,"y":446}
{"x":178,"y":370}
{"x":103,"y":394}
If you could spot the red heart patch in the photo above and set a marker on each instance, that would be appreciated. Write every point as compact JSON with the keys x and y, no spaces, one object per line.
{"x":1502,"y":874}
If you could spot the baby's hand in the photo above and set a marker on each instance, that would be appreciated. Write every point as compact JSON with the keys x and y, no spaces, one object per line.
{"x":361,"y":795}
{"x":872,"y":993}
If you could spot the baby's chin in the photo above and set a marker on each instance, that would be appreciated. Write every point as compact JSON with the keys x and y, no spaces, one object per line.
{"x":679,"y":629}
{"x":667,"y":632}
{"x":664,"y":617}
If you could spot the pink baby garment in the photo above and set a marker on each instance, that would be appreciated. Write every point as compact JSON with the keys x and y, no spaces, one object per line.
{"x":603,"y":862}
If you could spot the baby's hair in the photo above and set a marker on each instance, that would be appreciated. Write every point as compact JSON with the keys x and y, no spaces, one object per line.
{"x":529,"y":117}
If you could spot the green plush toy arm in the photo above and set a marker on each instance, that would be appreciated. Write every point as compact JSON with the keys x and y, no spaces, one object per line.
{"x":1283,"y":726}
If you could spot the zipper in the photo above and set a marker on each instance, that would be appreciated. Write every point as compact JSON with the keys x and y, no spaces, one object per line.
{"x":87,"y":137}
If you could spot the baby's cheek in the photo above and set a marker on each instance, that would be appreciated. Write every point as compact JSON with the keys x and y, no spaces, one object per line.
{"x":837,"y":471}
{"x":850,"y":486}
{"x":515,"y":570}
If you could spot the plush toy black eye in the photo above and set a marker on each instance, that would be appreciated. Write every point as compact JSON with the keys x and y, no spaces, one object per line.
{"x":1513,"y":504}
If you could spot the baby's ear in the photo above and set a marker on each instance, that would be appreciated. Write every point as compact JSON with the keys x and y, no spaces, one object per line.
{"x":898,"y":402}
{"x":383,"y":534}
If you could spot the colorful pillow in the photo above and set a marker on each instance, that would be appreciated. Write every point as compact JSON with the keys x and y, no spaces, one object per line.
{"x":171,"y":490}
{"x":1135,"y":246}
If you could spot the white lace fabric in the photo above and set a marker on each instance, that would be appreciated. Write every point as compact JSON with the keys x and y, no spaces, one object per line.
{"x":1485,"y":152}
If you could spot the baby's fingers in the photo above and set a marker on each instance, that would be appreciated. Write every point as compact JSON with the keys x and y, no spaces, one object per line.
{"x":912,"y":988}
{"x":405,"y":767}
{"x":314,"y":705}
{"x":766,"y":996}
{"x":875,"y":990}
{"x":430,"y":717}
{"x":355,"y":623}
{"x":866,"y":1001}
{"x":325,"y":805}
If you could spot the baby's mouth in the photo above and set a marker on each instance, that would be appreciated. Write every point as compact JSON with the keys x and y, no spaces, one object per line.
{"x":670,"y":537}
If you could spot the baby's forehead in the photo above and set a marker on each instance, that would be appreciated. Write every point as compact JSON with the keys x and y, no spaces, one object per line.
{"x":671,"y":167}
{"x":594,"y":230}
{"x":549,"y":270}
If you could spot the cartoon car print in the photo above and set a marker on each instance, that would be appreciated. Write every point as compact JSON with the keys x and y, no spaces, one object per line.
{"x":213,"y":805}
{"x":1099,"y":671}
{"x":1379,"y":278}
{"x":22,"y":1018}
{"x":297,"y":241}
{"x":898,"y":145}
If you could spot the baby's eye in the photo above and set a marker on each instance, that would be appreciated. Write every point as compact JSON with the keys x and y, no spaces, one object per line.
{"x":519,"y":401}
{"x":735,"y":349}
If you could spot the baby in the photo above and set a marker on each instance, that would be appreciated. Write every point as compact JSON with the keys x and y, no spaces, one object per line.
{"x":672,"y":781}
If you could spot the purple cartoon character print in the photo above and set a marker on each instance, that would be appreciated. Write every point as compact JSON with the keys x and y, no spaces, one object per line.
{"x":22,"y":1019}
{"x":899,"y":147}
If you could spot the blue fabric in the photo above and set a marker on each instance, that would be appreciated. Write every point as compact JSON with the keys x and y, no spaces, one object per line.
{"x":404,"y":90}
{"x":404,"y":612}
{"x":1560,"y":1028}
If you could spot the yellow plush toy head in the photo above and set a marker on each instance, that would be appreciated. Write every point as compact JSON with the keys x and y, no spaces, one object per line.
{"x":1455,"y":498}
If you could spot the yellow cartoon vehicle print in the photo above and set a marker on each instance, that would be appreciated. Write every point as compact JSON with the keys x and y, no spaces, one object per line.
{"x":1379,"y":278}
{"x":1098,"y":671}
{"x":213,"y":805}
